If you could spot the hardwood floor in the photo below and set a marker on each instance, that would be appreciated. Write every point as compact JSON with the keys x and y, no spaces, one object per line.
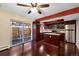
{"x":41,"y":49}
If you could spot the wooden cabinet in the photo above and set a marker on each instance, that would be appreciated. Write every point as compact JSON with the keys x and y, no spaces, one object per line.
{"x":62,"y":36}
{"x":70,"y":22}
{"x":52,"y":44}
{"x":52,"y":39}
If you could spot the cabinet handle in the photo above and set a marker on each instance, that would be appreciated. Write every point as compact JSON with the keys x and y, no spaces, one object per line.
{"x":50,"y":36}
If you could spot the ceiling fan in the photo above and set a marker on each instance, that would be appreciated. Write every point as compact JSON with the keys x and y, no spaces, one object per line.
{"x":34,"y":5}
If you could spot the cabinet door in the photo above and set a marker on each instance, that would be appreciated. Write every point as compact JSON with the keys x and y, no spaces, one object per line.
{"x":51,"y":39}
{"x":55,"y":40}
{"x":47,"y":38}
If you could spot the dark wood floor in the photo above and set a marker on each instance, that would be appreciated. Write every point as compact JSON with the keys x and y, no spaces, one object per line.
{"x":42,"y":49}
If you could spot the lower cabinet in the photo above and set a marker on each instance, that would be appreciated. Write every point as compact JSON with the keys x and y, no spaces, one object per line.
{"x":52,"y":39}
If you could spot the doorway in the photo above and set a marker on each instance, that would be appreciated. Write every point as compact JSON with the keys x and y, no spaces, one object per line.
{"x":20,"y":32}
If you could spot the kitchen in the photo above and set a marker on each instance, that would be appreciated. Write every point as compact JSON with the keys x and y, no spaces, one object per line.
{"x":59,"y":29}
{"x":56,"y":36}
{"x":66,"y":30}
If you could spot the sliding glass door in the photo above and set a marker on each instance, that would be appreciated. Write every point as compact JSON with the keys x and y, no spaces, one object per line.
{"x":21,"y":32}
{"x":27,"y":32}
{"x":17,"y":32}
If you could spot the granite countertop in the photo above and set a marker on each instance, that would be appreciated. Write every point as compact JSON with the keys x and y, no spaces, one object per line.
{"x":52,"y":33}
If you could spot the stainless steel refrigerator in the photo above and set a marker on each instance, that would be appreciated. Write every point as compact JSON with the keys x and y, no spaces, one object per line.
{"x":70,"y":33}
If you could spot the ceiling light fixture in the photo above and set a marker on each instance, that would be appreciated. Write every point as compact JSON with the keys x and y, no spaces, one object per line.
{"x":34,"y":7}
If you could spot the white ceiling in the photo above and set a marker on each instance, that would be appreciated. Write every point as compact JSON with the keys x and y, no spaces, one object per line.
{"x":54,"y":8}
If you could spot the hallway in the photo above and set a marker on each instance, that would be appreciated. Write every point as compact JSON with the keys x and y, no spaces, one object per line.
{"x":65,"y":49}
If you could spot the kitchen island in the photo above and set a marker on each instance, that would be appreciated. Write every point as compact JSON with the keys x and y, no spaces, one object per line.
{"x":52,"y":38}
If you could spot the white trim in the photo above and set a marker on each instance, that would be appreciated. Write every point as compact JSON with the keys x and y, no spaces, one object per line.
{"x":31,"y":32}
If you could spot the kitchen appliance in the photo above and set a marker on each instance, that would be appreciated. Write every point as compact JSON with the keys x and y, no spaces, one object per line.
{"x":70,"y":33}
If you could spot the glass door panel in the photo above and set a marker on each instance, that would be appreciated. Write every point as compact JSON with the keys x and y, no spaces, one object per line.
{"x":16,"y":33}
{"x":27,"y":33}
{"x":21,"y":32}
